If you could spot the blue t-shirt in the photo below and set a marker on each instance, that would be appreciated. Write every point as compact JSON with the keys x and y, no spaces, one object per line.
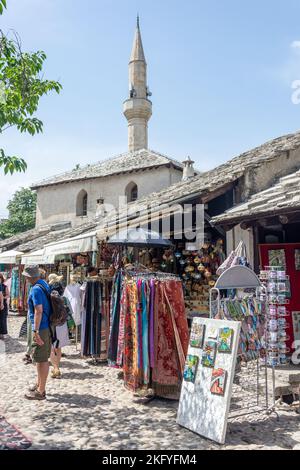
{"x":38,"y":297}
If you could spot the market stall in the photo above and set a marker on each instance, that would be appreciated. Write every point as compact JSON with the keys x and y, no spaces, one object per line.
{"x":10,"y":265}
{"x":149,"y":331}
{"x":72,"y":255}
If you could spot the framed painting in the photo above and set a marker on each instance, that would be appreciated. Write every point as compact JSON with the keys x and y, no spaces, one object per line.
{"x":218,"y":382}
{"x":225,"y":340}
{"x":190,"y":369}
{"x":277,"y":258}
{"x":209,"y":354}
{"x":197,"y":335}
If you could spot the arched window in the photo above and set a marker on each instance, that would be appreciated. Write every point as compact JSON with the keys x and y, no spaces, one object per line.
{"x":131,"y":192}
{"x":81,"y":203}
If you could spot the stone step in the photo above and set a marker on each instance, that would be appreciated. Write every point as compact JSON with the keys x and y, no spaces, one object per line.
{"x":294,"y":379}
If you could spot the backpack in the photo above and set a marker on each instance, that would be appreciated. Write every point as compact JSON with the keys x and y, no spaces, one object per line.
{"x":59,"y":313}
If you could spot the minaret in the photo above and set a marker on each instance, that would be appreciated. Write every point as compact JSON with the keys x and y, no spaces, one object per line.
{"x":137,"y":108}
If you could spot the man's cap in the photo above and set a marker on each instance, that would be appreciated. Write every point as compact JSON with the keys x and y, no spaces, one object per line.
{"x":31,"y":271}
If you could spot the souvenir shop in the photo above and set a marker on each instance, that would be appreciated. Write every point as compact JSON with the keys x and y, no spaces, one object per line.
{"x":197,"y":268}
{"x":148,"y":333}
{"x":11,"y":268}
{"x":163,"y":282}
{"x":275,"y":243}
{"x":89,"y":294}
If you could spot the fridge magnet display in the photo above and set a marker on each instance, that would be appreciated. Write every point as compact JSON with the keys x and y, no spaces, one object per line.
{"x":225,"y":340}
{"x":218,"y":382}
{"x":197,"y":335}
{"x":209,"y":354}
{"x":190,"y":368}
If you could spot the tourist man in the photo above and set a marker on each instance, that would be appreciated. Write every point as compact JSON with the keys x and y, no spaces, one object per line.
{"x":39,"y":313}
{"x":92,"y":271}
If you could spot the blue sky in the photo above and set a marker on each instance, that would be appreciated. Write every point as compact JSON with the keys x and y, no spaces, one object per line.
{"x":220,"y":73}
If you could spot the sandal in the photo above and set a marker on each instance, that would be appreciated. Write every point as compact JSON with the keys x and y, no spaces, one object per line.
{"x":27,"y":359}
{"x":36,"y":395}
{"x":56,"y":374}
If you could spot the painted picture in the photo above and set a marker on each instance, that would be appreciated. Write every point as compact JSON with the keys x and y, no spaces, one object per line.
{"x":218,"y":382}
{"x":212,"y":332}
{"x":277,"y":258}
{"x":225,"y":340}
{"x":297,"y":260}
{"x":190,"y":369}
{"x":197,"y":335}
{"x":296,"y":325}
{"x":209,"y":354}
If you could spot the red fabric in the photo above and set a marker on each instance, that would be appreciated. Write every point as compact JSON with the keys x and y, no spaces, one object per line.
{"x":171,"y":337}
{"x":130,"y":359}
{"x":171,"y":334}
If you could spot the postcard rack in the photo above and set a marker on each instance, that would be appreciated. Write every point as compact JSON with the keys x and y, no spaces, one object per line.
{"x":250,"y":389}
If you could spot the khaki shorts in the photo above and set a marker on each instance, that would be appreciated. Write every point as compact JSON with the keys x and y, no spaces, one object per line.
{"x":42,"y":353}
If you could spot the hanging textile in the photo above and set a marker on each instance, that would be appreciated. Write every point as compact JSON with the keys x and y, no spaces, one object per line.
{"x":149,"y":332}
{"x":252,"y":315}
{"x":15,"y":289}
{"x":115,"y":318}
{"x":95,"y":318}
{"x":170,"y":338}
{"x":73,"y":294}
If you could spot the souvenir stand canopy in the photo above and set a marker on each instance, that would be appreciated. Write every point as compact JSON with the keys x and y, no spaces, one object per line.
{"x":250,"y":391}
{"x":10,"y":257}
{"x":139,"y":237}
{"x":35,"y":257}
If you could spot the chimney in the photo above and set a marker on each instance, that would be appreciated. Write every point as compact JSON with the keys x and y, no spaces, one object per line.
{"x":188,"y":169}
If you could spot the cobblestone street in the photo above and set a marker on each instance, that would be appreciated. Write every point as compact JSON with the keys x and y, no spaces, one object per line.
{"x":90,"y":409}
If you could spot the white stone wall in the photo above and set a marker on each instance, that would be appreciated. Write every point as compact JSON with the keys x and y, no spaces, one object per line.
{"x":58,"y":203}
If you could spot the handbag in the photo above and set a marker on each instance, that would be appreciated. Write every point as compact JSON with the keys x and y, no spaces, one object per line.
{"x":234,"y":259}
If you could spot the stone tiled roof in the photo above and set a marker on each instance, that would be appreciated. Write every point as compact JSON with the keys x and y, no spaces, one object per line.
{"x":37,"y":238}
{"x":228,"y":172}
{"x":212,"y":180}
{"x":53,"y":236}
{"x":124,"y":163}
{"x":16,"y":240}
{"x":282,"y":197}
{"x":197,"y":186}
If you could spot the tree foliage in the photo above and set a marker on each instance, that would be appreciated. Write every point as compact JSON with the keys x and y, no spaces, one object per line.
{"x":22,"y":210}
{"x":21,"y":87}
{"x":2,"y":6}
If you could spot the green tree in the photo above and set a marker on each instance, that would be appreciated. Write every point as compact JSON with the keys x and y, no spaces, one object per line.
{"x":21,"y":87}
{"x":2,"y":6}
{"x":22,"y":210}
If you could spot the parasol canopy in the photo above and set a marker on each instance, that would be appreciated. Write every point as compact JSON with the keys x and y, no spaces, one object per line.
{"x":139,"y":237}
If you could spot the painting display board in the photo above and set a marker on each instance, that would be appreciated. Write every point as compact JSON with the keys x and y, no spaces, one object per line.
{"x":208,"y":377}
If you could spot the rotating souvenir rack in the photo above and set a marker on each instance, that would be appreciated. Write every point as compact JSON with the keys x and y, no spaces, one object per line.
{"x":274,"y":279}
{"x":236,"y":297}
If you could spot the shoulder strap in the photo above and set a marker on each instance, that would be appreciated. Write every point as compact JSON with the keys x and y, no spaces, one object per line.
{"x":44,"y":290}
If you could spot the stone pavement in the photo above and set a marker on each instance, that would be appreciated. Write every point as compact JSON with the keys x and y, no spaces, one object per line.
{"x":90,"y":409}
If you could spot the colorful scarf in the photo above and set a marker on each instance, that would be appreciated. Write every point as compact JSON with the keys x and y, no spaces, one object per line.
{"x":171,"y":338}
{"x":130,"y":360}
{"x":115,"y":319}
